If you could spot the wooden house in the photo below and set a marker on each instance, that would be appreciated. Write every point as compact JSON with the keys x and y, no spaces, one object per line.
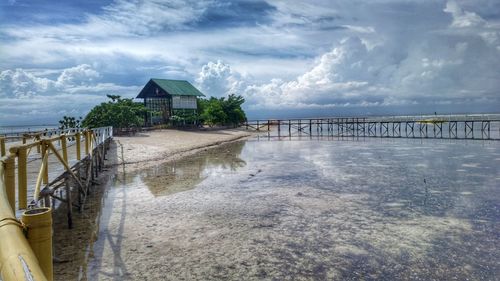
{"x":166,"y":98}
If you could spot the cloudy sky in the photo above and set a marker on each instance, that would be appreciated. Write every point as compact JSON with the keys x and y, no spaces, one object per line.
{"x":287,"y":58}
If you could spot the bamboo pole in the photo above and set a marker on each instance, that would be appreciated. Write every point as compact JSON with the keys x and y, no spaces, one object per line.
{"x":65,"y":164}
{"x":39,"y":235}
{"x":2,"y":147}
{"x":64,"y":148}
{"x":40,"y":176}
{"x":10,"y":180}
{"x":17,"y":260}
{"x":22,"y":177}
{"x":45,"y":169}
{"x":78,"y":145}
{"x":87,"y":142}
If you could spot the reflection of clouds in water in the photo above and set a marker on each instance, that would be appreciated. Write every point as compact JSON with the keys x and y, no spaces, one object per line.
{"x":471,"y":165}
{"x":334,"y":210}
{"x":186,"y":173}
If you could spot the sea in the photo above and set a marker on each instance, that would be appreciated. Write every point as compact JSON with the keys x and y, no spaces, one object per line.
{"x":308,"y":209}
{"x":16,"y":129}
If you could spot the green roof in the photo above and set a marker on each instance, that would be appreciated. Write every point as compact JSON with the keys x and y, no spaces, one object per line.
{"x":171,"y":87}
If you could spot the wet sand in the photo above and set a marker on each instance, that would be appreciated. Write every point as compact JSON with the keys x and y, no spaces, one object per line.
{"x":73,"y":247}
{"x":297,"y":211}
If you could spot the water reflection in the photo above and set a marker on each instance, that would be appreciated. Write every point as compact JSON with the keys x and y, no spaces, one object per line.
{"x":311,"y":210}
{"x":186,"y":173}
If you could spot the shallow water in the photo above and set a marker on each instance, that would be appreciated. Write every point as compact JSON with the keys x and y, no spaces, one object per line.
{"x":308,"y":210}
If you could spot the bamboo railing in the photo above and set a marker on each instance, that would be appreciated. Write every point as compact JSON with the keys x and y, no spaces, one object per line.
{"x":26,"y":243}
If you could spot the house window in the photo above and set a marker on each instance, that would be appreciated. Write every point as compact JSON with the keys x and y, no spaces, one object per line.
{"x":157,"y":104}
{"x":188,"y":102}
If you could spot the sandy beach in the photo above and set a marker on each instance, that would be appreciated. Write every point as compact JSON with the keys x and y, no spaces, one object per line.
{"x":151,"y":148}
{"x":73,"y":247}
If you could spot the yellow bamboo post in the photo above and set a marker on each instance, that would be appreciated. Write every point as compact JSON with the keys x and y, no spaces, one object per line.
{"x":22,"y":177}
{"x":40,"y":176}
{"x":87,"y":142}
{"x":78,"y":144}
{"x":10,"y":181}
{"x":37,"y":139}
{"x":39,"y":235}
{"x":17,"y":260}
{"x":46,"y":167}
{"x":2,"y":147}
{"x":64,"y":148}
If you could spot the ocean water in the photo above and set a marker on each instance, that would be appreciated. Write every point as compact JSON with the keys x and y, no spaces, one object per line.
{"x":308,"y":209}
{"x":15,"y":130}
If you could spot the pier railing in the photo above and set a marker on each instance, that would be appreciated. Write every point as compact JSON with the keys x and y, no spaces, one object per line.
{"x":26,"y":244}
{"x":472,"y":126}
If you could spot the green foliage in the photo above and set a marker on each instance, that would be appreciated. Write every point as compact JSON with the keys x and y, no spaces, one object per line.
{"x":119,"y":113}
{"x":222,"y":111}
{"x":182,"y":117}
{"x":69,"y":122}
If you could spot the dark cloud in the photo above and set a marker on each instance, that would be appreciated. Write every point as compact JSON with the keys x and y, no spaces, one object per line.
{"x":235,"y":13}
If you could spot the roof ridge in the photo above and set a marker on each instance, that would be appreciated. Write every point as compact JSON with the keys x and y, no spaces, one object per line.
{"x":169,"y":79}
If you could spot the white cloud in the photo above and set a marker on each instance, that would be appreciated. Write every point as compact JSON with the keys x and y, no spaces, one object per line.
{"x":79,"y":75}
{"x":218,"y":79}
{"x":22,"y":84}
{"x":462,"y":18}
{"x":26,"y":96}
{"x":306,"y":54}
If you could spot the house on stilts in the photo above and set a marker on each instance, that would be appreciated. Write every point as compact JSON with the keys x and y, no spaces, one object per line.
{"x":166,"y":98}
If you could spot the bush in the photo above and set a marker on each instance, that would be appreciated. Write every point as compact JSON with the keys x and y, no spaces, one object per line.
{"x":119,"y":113}
{"x":222,"y":111}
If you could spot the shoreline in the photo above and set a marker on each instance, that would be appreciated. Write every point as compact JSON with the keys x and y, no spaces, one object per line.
{"x":145,"y":159}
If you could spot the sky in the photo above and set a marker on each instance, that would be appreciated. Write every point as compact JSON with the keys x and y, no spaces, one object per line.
{"x":286,"y":58}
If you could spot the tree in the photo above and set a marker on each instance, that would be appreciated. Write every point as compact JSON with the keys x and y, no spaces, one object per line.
{"x":119,"y":113}
{"x":222,"y":111}
{"x":233,"y":110}
{"x":69,"y":122}
{"x":213,"y":113}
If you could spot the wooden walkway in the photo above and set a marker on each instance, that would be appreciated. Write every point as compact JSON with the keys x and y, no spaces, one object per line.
{"x":483,"y":127}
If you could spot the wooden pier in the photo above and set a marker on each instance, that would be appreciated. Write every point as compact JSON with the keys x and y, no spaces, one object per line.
{"x":482,"y":127}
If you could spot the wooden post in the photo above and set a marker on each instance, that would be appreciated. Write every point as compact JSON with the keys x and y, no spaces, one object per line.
{"x":22,"y":177}
{"x":39,"y":236}
{"x":45,"y":171}
{"x":78,"y":145}
{"x":87,"y":142}
{"x":69,"y":201}
{"x":10,"y":181}
{"x":2,"y":147}
{"x":64,"y":149}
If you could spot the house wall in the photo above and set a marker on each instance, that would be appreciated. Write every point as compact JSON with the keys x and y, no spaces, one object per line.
{"x":187,"y":102}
